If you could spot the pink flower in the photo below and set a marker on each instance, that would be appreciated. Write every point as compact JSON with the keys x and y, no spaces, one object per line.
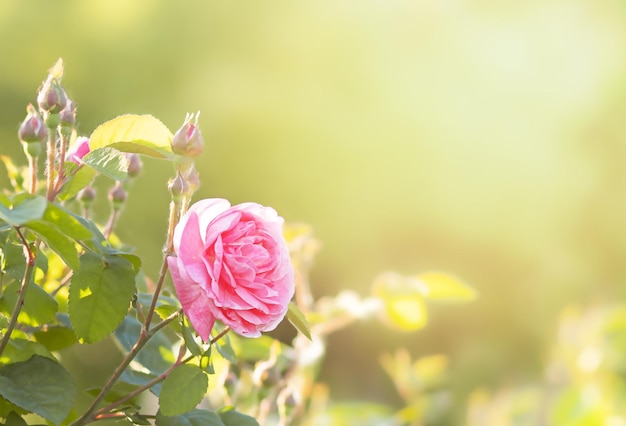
{"x":78,"y":150}
{"x":233,"y":265}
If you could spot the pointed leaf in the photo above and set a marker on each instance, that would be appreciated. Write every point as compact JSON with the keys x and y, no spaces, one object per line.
{"x":225,"y":349}
{"x":107,"y":161}
{"x":298,"y":320}
{"x":100,"y":294}
{"x":190,"y":342}
{"x":14,"y":419}
{"x":39,"y":385}
{"x":141,"y":134}
{"x":192,"y":418}
{"x":60,"y":243}
{"x":76,"y":181}
{"x":182,"y":390}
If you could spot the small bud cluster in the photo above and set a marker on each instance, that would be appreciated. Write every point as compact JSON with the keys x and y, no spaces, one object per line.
{"x":187,"y":144}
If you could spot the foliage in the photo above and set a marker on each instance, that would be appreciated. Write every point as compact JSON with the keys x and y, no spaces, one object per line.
{"x":67,"y":281}
{"x":584,"y":382}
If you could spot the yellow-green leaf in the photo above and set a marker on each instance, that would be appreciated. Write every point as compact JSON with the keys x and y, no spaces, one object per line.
{"x":444,"y":287}
{"x":141,"y":134}
{"x":403,"y":305}
{"x":406,"y":313}
{"x":298,"y":320}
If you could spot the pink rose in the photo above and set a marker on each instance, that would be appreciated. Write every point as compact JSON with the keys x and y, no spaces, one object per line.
{"x":78,"y":150}
{"x":233,"y":265}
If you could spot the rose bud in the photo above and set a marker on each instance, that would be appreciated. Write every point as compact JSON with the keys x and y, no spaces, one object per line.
{"x":117,"y":196}
{"x":86,"y":196}
{"x":178,"y":187}
{"x":32,"y":128}
{"x":187,"y":140}
{"x":68,"y":114}
{"x":134,"y":165}
{"x":192,"y":177}
{"x":232,"y":264}
{"x":51,"y":97}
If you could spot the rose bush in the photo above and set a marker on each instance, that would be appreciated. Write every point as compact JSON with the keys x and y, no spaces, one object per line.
{"x":232,"y":264}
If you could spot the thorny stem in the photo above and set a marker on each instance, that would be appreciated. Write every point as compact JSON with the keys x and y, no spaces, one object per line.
{"x":28,"y":276}
{"x":108,"y":230}
{"x":220,"y":335}
{"x":50,"y":194}
{"x":61,"y":176}
{"x":141,"y":341}
{"x":102,"y":412}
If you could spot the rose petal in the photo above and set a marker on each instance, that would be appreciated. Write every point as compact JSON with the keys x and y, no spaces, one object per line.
{"x":193,"y":300}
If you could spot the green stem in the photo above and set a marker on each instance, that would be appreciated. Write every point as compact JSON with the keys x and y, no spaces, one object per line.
{"x":32,"y":167}
{"x":141,"y":341}
{"x":26,"y":280}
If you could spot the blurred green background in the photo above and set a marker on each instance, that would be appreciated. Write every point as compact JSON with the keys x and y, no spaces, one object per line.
{"x":482,"y":138}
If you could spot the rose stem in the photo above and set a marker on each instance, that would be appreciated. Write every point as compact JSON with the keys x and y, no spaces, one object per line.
{"x":141,"y":341}
{"x":169,"y":248}
{"x":32,"y":165}
{"x":102,"y":412}
{"x":50,"y":164}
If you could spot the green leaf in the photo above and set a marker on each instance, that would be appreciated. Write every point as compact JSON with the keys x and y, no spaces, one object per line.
{"x":38,"y":308}
{"x":230,"y":417}
{"x":60,"y":243}
{"x":139,"y":378}
{"x":99,"y":296}
{"x":252,"y":349}
{"x":18,"y":350}
{"x":156,"y":356}
{"x":108,"y":161}
{"x":182,"y":390}
{"x":298,"y":320}
{"x":17,"y":175}
{"x":39,"y":385}
{"x":77,"y":181}
{"x":32,"y":207}
{"x":190,"y":342}
{"x":444,"y":287}
{"x":225,"y":349}
{"x":141,"y":134}
{"x":67,"y":222}
{"x":56,"y":337}
{"x":14,"y":260}
{"x":192,"y":418}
